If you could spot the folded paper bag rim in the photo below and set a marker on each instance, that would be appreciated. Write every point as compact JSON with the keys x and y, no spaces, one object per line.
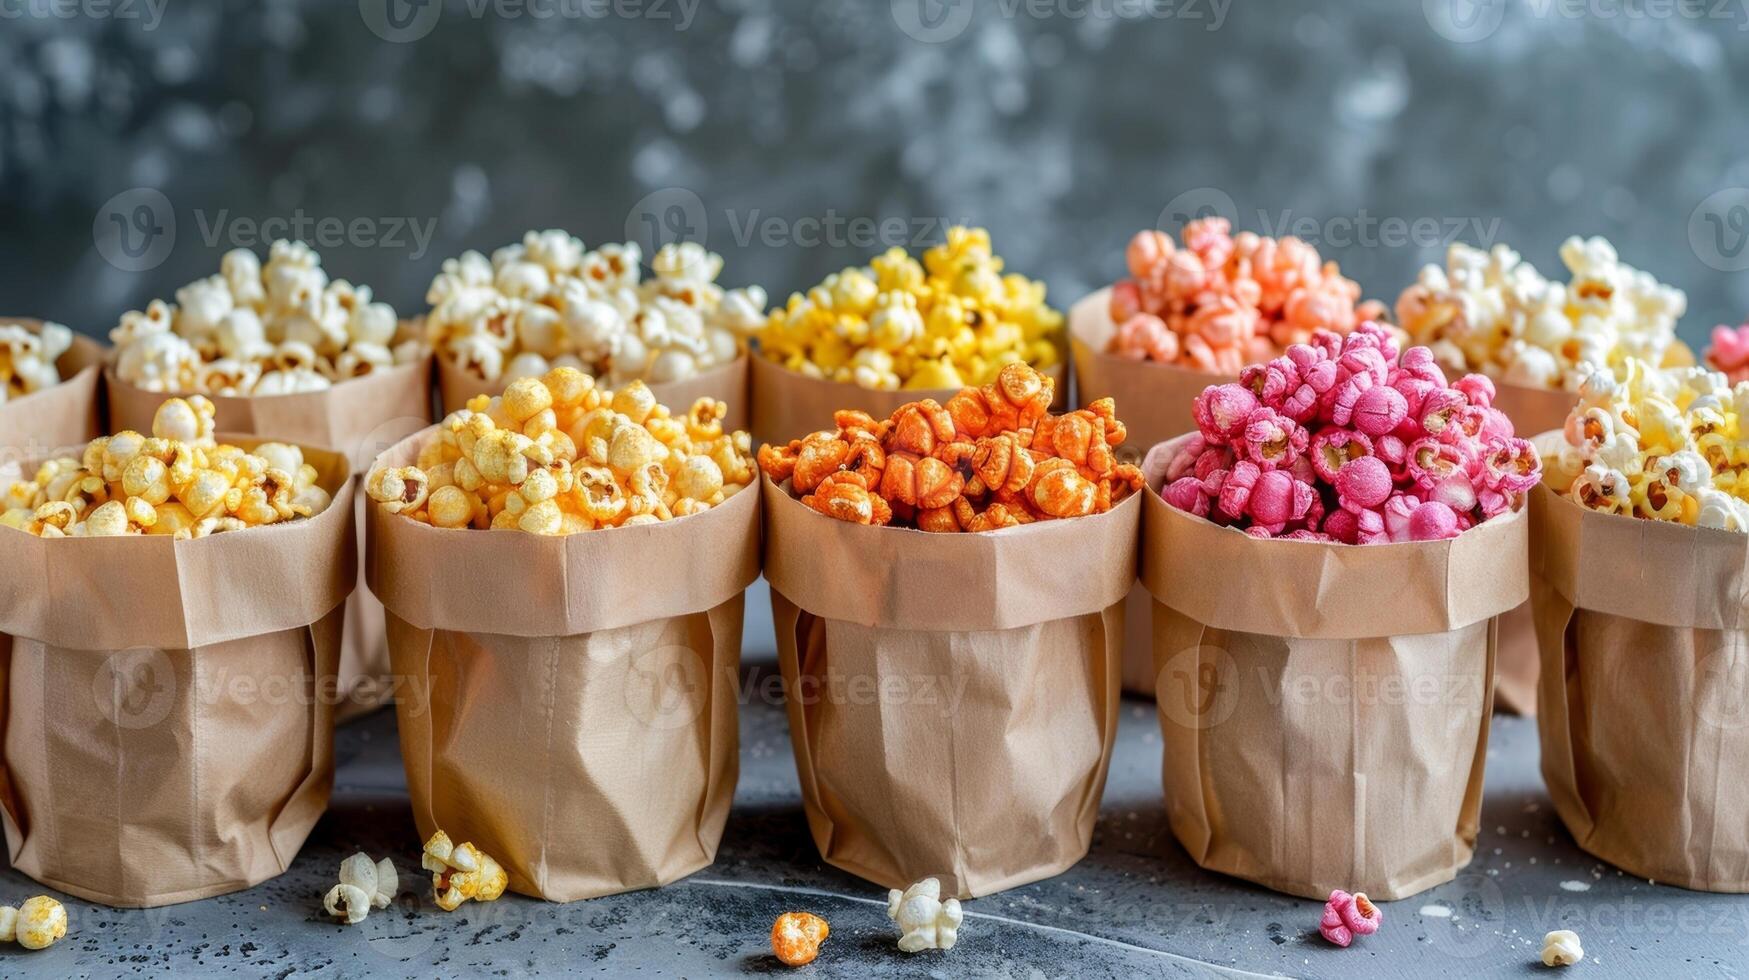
{"x":1003,"y":579}
{"x":68,"y":592}
{"x":1332,"y":591}
{"x":61,"y":415}
{"x":518,"y":584}
{"x":1683,"y":576}
{"x":1090,"y":331}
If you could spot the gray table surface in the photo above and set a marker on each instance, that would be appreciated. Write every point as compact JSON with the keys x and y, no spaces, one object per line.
{"x":1136,"y":907}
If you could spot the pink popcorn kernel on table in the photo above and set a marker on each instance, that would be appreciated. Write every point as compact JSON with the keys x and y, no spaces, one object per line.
{"x":1730,"y":352}
{"x":1344,"y":439}
{"x":1220,"y":300}
{"x":1347,"y":916}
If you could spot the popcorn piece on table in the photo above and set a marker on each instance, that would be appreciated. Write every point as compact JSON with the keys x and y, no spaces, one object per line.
{"x":36,"y":924}
{"x":1660,"y":444}
{"x":558,"y":455}
{"x":259,"y":330}
{"x":1220,"y":300}
{"x":178,"y":481}
{"x":547,"y":302}
{"x":1343,"y":439}
{"x":993,"y":457}
{"x":1561,"y":948}
{"x":364,"y":884}
{"x":1347,"y":916}
{"x":27,"y":358}
{"x":461,"y":872}
{"x":924,"y":920}
{"x":796,"y":937}
{"x":952,"y":320}
{"x":1492,"y":313}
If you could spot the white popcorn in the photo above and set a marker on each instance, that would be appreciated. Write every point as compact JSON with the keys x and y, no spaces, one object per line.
{"x":27,"y":357}
{"x":549,"y":296}
{"x":364,"y":885}
{"x":1561,"y":948}
{"x":1493,"y":313}
{"x":240,"y":332}
{"x":924,"y":920}
{"x":36,"y":924}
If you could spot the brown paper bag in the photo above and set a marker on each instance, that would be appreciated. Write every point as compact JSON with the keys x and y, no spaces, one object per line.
{"x":1154,"y":400}
{"x":787,"y":405}
{"x":1644,"y":695}
{"x":166,"y":707}
{"x":59,"y":419}
{"x":952,"y":698}
{"x":1324,"y":707}
{"x":570,"y":702}
{"x":361,"y":418}
{"x":727,"y":383}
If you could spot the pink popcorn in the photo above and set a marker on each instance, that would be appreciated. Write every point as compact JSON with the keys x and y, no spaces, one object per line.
{"x":1730,"y":352}
{"x":1478,"y":388}
{"x":1363,"y":483}
{"x":1334,"y":446}
{"x":1272,"y":439}
{"x":1222,"y":411}
{"x":1511,"y":466}
{"x":1278,"y":499}
{"x":1235,"y":493}
{"x":1433,"y":521}
{"x":1379,"y":410}
{"x":1346,"y":916}
{"x":1399,"y":511}
{"x":1186,"y":494}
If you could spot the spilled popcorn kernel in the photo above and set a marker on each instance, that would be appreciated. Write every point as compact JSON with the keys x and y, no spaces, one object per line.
{"x":178,"y":481}
{"x":1561,"y":948}
{"x":992,"y":457}
{"x":924,"y":920}
{"x":547,"y":302}
{"x":1347,"y":916}
{"x":36,"y":924}
{"x":1492,"y":313}
{"x":461,"y":873}
{"x":27,"y":358}
{"x":558,"y":455}
{"x":253,"y":329}
{"x":1664,"y":445}
{"x":1220,"y":301}
{"x":364,"y":885}
{"x":952,"y":320}
{"x":796,"y":937}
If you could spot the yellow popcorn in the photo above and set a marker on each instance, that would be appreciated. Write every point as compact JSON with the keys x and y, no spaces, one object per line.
{"x":256,"y":330}
{"x":461,"y":873}
{"x":36,"y":924}
{"x":952,"y":320}
{"x":569,"y":457}
{"x":1492,"y":313}
{"x":129,"y":484}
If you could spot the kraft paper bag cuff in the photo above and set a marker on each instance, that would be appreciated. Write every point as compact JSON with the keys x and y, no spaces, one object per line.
{"x":60,"y":417}
{"x":1533,"y":410}
{"x":726,"y":383}
{"x":520,"y":584}
{"x":1656,"y":572}
{"x":914,"y":580}
{"x":1153,"y":399}
{"x":1434,"y":586}
{"x":787,"y":405}
{"x":152,"y":591}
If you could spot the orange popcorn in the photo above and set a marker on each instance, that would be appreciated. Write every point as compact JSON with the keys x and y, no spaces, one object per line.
{"x":993,"y":457}
{"x":796,"y":937}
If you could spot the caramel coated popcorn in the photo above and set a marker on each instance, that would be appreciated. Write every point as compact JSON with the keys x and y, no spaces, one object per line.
{"x":254,"y":329}
{"x":796,"y":937}
{"x":558,"y":455}
{"x":992,"y":457}
{"x":547,"y":302}
{"x":178,"y":481}
{"x":27,"y":358}
{"x":461,"y":873}
{"x":953,"y":319}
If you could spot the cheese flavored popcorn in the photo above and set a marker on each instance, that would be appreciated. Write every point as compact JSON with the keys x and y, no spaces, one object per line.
{"x":255,"y":329}
{"x":1659,"y":444}
{"x":992,"y":457}
{"x":1494,"y":314}
{"x":1220,"y":301}
{"x":558,"y":455}
{"x":178,"y":481}
{"x":548,"y":302}
{"x":27,"y":358}
{"x":952,"y":320}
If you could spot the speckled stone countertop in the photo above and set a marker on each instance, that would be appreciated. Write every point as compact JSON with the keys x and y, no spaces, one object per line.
{"x":1136,"y":907}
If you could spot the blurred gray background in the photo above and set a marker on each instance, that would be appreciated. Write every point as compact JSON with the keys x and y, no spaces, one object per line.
{"x":139,"y":139}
